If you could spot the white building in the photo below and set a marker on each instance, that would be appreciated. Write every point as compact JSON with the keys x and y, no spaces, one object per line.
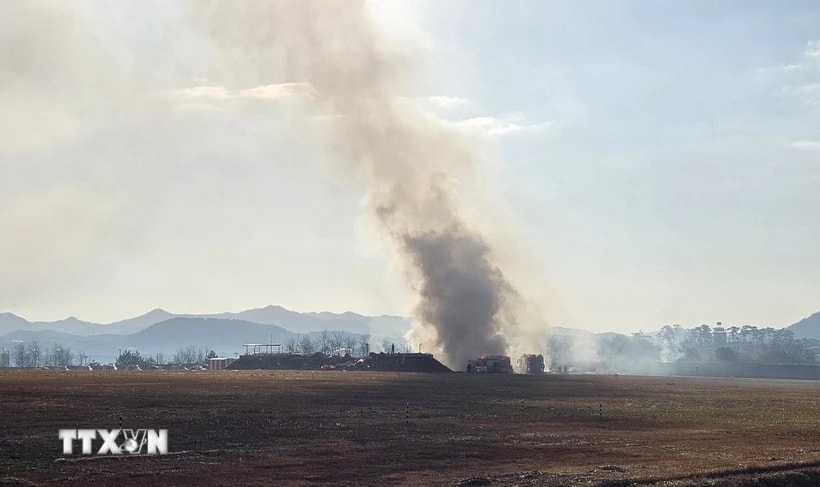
{"x":219,"y":363}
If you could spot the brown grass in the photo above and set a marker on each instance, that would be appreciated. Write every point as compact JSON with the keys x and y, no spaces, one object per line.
{"x":350,"y":428}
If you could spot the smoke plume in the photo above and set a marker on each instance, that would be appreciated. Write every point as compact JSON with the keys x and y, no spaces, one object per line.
{"x":411,"y":163}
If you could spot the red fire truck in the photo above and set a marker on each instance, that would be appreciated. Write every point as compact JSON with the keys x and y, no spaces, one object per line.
{"x":490,"y":364}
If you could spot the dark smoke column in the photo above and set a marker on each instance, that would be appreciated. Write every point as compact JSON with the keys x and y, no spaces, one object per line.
{"x":409,"y":162}
{"x":461,"y":293}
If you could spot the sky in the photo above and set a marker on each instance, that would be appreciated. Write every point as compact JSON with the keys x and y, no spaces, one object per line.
{"x":655,"y":163}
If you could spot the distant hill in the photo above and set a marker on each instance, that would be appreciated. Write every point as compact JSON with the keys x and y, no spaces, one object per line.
{"x":300,"y":322}
{"x":223,"y":336}
{"x":132,"y":325}
{"x":573,"y":332}
{"x":382,"y":326}
{"x":218,"y":334}
{"x":10,"y":322}
{"x":68,"y":325}
{"x":807,"y":327}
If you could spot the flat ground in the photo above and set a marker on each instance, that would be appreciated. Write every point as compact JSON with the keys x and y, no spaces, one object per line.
{"x":359,"y":428}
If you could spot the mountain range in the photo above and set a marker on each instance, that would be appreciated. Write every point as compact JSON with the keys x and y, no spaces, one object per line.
{"x":160,"y":331}
{"x":269,"y":315}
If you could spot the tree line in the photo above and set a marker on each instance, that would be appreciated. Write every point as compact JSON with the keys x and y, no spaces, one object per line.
{"x":330,"y":343}
{"x":674,"y":343}
{"x":189,"y":355}
{"x":746,"y":343}
{"x":33,"y":355}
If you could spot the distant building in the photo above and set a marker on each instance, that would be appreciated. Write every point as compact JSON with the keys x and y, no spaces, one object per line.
{"x":219,"y":363}
{"x":262,"y":348}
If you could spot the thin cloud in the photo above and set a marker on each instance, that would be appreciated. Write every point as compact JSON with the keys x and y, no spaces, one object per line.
{"x":809,"y":62}
{"x":801,"y":78}
{"x":447,"y":101}
{"x":440,"y":105}
{"x":262,"y":92}
{"x":499,"y":127}
{"x":811,"y":92}
{"x":212,"y":92}
{"x":806,"y":144}
{"x":280,"y":90}
{"x":810,"y":59}
{"x":813,"y":51}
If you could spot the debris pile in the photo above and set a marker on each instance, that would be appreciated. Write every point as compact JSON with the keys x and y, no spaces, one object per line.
{"x":382,"y":362}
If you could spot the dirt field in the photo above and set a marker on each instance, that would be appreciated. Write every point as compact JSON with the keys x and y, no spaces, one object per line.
{"x":353,"y":428}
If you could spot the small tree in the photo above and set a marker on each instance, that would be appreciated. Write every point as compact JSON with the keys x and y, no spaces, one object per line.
{"x":324,"y":342}
{"x":292,"y":344}
{"x":20,"y":355}
{"x":350,"y":343}
{"x":5,"y":358}
{"x":82,"y":358}
{"x":34,"y":354}
{"x":128,"y":358}
{"x":306,"y":345}
{"x":190,"y":355}
{"x":50,"y":358}
{"x":59,"y":355}
{"x":364,"y":344}
{"x":337,"y":340}
{"x":181,"y":356}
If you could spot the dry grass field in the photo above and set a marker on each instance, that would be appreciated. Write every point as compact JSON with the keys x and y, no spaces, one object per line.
{"x":357,"y":428}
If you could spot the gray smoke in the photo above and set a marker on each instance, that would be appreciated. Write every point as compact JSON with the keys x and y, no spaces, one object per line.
{"x":462,"y":292}
{"x":411,"y":163}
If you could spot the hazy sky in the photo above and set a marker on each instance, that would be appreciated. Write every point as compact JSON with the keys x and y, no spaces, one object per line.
{"x":658,"y":162}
